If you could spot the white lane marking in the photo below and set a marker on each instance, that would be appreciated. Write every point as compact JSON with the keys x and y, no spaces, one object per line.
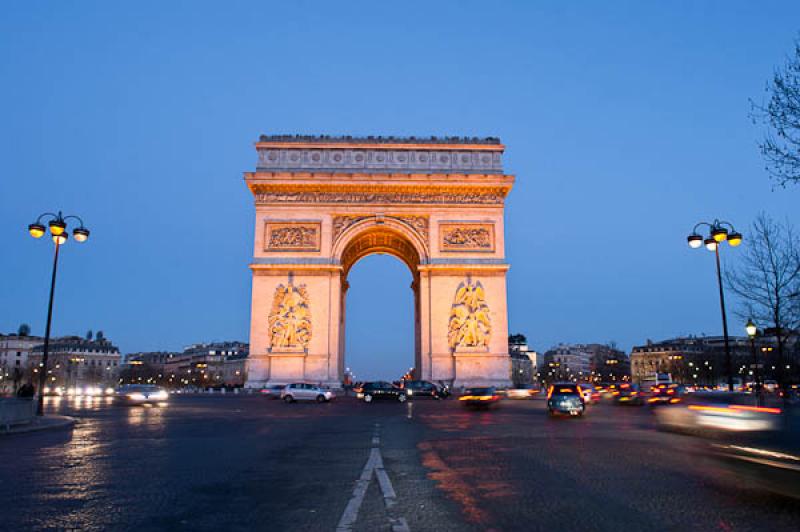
{"x":399,"y":525}
{"x":351,"y":510}
{"x":374,"y":465}
{"x":389,"y":496}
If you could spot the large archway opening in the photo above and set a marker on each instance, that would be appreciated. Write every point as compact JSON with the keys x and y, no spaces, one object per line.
{"x":379,"y":344}
{"x":379,"y":329}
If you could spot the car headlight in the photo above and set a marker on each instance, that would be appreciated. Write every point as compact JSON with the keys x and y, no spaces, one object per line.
{"x":410,"y":392}
{"x":136,"y":396}
{"x":160,"y":395}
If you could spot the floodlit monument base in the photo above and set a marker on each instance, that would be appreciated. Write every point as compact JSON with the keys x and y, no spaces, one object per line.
{"x":323,"y":203}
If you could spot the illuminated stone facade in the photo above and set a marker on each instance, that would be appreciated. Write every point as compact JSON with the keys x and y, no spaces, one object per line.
{"x":324,"y":203}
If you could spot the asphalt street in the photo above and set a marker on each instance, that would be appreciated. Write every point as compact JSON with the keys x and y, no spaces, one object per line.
{"x":249,"y":463}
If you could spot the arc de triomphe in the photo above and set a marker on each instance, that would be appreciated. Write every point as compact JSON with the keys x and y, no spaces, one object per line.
{"x":323,"y":203}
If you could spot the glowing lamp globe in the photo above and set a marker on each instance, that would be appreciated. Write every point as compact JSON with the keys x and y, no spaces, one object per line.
{"x":695,"y":240}
{"x":734,"y":239}
{"x":57,"y":227}
{"x":711,"y":244}
{"x":36,"y":230}
{"x":60,"y":238}
{"x":81,"y":234}
{"x":720,"y":234}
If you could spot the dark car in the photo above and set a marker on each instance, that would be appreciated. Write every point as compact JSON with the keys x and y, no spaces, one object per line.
{"x":272,"y":392}
{"x":422,"y":389}
{"x":565,"y":398}
{"x":665,"y":394}
{"x":628,"y":394}
{"x":479,"y":397}
{"x":381,"y":390}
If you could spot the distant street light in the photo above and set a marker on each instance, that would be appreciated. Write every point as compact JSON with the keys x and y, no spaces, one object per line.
{"x":58,"y":229}
{"x":752,"y":331}
{"x":718,"y":232}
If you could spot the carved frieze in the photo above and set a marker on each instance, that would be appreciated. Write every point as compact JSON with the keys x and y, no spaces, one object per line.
{"x":418,"y":223}
{"x":290,"y":317}
{"x":465,"y":236}
{"x":475,"y":198}
{"x":470,"y":324}
{"x":346,"y":159}
{"x":292,"y":236}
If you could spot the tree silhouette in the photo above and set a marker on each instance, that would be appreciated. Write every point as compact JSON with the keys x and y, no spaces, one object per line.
{"x":781,"y":114}
{"x":24,"y":330}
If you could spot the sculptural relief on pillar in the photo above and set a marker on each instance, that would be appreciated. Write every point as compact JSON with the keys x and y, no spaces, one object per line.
{"x":290,"y":318}
{"x":292,"y":236}
{"x":466,"y":236}
{"x":470,"y":324}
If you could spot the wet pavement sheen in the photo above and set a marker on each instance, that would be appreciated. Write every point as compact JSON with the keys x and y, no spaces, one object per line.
{"x":249,"y":463}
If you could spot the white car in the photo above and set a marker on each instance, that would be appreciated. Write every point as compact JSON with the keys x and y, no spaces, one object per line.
{"x":140,"y":394}
{"x":301,"y":391}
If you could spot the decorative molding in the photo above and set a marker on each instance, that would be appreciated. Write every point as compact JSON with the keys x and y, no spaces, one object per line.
{"x":419,"y":223}
{"x":292,"y":236}
{"x":463,"y":236}
{"x":478,"y":197}
{"x":380,"y":158}
{"x":290,"y":318}
{"x":470,"y":325}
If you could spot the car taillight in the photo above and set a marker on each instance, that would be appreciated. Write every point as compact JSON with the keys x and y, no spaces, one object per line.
{"x":764,"y":409}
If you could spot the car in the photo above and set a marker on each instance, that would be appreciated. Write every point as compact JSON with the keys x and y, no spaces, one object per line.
{"x":416,"y":389}
{"x":524,"y":391}
{"x":719,"y":412}
{"x":628,"y":394}
{"x":140,"y":394}
{"x":480,"y":397}
{"x":302,"y":391}
{"x":665,"y":394}
{"x":590,"y":394}
{"x":381,"y":391}
{"x":770,"y":386}
{"x":565,"y":398}
{"x":272,"y":392}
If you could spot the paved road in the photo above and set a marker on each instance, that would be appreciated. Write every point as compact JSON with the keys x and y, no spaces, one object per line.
{"x":247,"y":463}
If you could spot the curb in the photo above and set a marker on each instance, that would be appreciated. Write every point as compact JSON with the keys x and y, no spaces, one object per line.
{"x":45,"y":423}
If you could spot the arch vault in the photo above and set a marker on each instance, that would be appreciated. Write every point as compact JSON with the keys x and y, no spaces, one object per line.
{"x":324,"y":203}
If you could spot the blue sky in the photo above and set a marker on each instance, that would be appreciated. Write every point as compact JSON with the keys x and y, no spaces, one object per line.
{"x":625,"y":123}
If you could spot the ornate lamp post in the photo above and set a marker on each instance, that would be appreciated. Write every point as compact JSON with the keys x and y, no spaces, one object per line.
{"x":752,"y":331}
{"x":58,"y":229}
{"x":718,"y":232}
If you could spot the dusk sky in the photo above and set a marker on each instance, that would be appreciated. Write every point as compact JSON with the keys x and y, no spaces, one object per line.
{"x":625,"y":123}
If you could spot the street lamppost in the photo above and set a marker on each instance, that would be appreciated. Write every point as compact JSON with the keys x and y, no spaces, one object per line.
{"x":752,"y":331}
{"x":718,"y":232}
{"x":58,"y":229}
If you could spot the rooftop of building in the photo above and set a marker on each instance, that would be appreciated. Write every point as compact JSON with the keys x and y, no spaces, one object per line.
{"x":348,"y":139}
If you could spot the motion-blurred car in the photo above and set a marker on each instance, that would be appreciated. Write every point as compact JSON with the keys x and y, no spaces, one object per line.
{"x":770,"y":386}
{"x":480,"y":397}
{"x":589,"y":393}
{"x":525,"y":391}
{"x":140,"y":394}
{"x":628,"y":394}
{"x":719,"y":412}
{"x":665,"y":394}
{"x":565,"y":398}
{"x":381,"y":391}
{"x":416,"y":389}
{"x":302,"y":391}
{"x":272,"y":392}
